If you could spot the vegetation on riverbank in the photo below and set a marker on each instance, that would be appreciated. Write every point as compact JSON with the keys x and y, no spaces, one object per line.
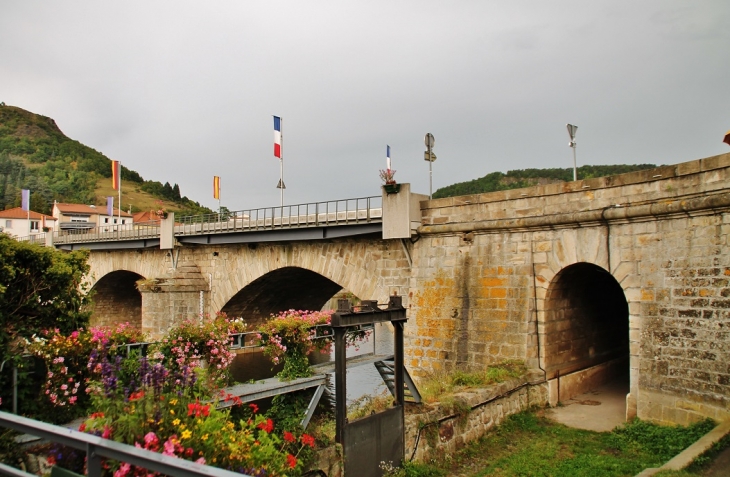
{"x":529,"y":443}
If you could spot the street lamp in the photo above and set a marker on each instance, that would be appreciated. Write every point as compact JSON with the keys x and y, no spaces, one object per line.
{"x":430,"y":157}
{"x":571,"y":131}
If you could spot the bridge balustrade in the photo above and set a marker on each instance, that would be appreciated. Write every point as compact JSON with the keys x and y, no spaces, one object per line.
{"x":338,"y":212}
{"x":139,"y":230}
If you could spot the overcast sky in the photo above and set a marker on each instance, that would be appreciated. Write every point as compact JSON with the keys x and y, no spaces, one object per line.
{"x":181,"y":91}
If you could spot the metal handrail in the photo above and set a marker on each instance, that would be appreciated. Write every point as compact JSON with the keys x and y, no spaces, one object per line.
{"x":103,"y":233}
{"x":97,"y":448}
{"x":315,"y":214}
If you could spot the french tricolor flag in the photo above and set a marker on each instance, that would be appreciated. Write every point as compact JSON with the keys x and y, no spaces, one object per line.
{"x":277,"y":137}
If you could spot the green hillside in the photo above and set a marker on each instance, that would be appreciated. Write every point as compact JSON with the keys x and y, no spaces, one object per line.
{"x":520,"y":178}
{"x":36,"y":155}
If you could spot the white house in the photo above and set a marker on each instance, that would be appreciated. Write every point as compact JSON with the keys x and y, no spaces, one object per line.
{"x":21,"y":223}
{"x":80,"y":217}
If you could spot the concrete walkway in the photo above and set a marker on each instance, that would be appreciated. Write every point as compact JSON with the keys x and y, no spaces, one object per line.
{"x":600,"y":410}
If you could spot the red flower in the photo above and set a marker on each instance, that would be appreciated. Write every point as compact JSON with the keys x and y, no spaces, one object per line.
{"x":289,"y":437}
{"x":189,"y":452}
{"x":82,"y":427}
{"x":138,"y":395}
{"x":267,"y":426}
{"x":254,"y":408}
{"x":308,"y":440}
{"x":291,"y":460}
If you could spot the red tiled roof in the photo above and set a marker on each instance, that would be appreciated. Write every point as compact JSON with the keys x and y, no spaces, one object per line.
{"x":19,"y":213}
{"x":86,"y":209}
{"x":147,"y":216}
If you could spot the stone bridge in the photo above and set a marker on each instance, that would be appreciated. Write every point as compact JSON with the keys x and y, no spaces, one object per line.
{"x":584,"y":281}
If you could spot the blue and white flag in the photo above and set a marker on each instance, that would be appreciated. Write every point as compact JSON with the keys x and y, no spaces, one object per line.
{"x":25,"y":199}
{"x":387,"y":156}
{"x":110,"y":205}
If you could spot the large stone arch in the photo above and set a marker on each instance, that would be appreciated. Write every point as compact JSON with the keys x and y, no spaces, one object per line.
{"x":586,"y":320}
{"x":281,"y":289}
{"x":370,"y":269}
{"x":117,"y":300}
{"x":147,"y":263}
{"x":585,"y":332}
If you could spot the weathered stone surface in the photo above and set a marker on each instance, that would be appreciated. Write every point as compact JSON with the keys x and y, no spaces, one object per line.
{"x":564,"y":276}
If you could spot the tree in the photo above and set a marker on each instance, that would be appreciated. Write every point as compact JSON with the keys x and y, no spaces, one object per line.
{"x":40,"y":288}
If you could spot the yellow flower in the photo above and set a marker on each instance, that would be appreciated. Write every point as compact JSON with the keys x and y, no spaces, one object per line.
{"x":176,"y":422}
{"x":205,"y":437}
{"x":173,"y":401}
{"x":172,"y":411}
{"x":186,"y":434}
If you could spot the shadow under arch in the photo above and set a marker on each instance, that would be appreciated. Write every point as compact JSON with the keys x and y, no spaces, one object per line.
{"x":117,"y":300}
{"x":586,"y":322}
{"x":282,"y":289}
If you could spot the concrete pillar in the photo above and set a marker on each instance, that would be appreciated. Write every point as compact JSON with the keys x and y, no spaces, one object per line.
{"x":401,"y":212}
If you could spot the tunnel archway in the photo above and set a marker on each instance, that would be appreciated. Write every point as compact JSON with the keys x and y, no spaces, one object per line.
{"x":282,"y":289}
{"x":117,"y":300}
{"x":586,"y":321}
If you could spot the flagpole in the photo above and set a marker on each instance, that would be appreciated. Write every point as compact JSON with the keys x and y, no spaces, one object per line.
{"x":119,"y":220}
{"x":281,"y":162}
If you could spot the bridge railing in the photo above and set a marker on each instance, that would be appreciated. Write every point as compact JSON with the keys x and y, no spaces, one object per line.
{"x":139,"y":230}
{"x":336,"y":212}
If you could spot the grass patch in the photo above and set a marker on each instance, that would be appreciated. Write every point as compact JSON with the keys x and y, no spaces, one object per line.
{"x":529,"y":444}
{"x":437,"y":385}
{"x":367,"y":405}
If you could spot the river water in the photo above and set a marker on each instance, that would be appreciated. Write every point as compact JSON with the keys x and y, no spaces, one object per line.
{"x":361,"y":380}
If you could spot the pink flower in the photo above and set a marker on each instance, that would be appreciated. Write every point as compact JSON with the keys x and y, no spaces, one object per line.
{"x":122,"y":470}
{"x":150,"y":437}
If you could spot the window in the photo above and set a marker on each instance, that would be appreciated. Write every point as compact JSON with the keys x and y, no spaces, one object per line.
{"x":115,"y":221}
{"x":106,"y":220}
{"x":123,"y":221}
{"x":34,"y":226}
{"x":8,"y":224}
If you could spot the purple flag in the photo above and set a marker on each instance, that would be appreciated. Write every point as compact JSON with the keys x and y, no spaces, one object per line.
{"x":25,"y":199}
{"x":110,"y":205}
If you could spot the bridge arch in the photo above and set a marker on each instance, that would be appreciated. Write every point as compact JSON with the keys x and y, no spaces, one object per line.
{"x":281,"y":289}
{"x":370,"y":269}
{"x":116,"y":300}
{"x":586,"y":323}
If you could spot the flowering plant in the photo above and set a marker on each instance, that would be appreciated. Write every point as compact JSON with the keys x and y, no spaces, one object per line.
{"x":160,"y":212}
{"x":387,"y":176}
{"x":167,"y":412}
{"x":199,"y":344}
{"x":66,"y":358}
{"x":292,"y":335}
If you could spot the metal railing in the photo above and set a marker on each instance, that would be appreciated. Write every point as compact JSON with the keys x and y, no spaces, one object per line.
{"x":139,"y":230}
{"x":316,"y":214}
{"x":97,"y":448}
{"x":336,"y":212}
